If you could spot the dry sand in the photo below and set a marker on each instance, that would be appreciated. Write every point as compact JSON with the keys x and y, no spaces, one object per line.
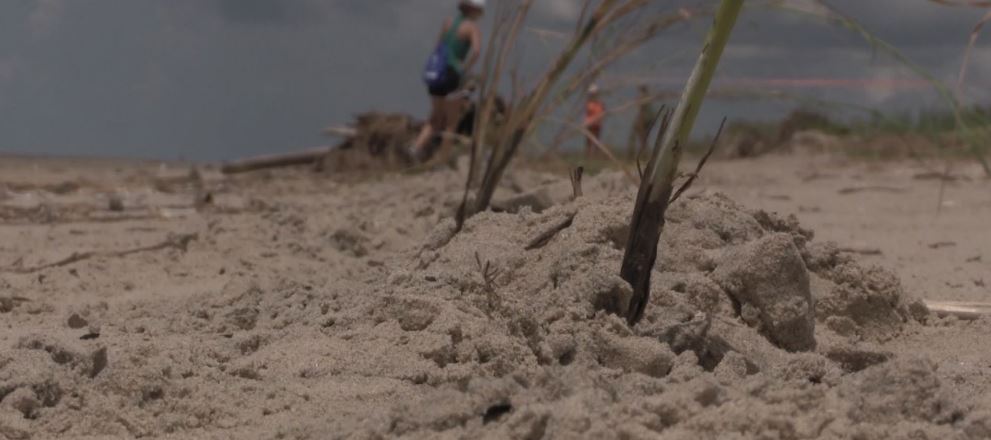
{"x":298,"y":306}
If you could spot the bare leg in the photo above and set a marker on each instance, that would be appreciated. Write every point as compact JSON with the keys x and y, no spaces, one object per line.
{"x":434,"y":125}
{"x":452,"y":109}
{"x":591,"y":150}
{"x":452,"y":114}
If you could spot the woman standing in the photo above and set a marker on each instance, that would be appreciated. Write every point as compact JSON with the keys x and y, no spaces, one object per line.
{"x":458,"y":49}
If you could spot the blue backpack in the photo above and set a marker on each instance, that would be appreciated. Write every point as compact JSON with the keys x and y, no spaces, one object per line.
{"x":436,"y":73}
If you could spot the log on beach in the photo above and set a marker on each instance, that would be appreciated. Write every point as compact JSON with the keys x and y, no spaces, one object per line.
{"x":275,"y":161}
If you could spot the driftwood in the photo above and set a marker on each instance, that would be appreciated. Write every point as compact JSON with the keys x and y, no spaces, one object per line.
{"x":180,"y":241}
{"x":545,"y":237}
{"x":346,"y":132}
{"x":962,"y":310}
{"x":371,"y":141}
{"x":871,"y":188}
{"x":861,"y":250}
{"x":307,"y":157}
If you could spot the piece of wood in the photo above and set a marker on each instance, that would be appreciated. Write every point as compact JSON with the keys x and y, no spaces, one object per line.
{"x":871,"y":188}
{"x":306,"y":157}
{"x":545,"y":237}
{"x":346,"y":132}
{"x":576,"y":182}
{"x":962,"y":310}
{"x":861,"y":250}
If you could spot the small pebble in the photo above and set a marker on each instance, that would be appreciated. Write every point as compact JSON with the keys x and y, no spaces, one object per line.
{"x":77,"y":322}
{"x":116,"y":203}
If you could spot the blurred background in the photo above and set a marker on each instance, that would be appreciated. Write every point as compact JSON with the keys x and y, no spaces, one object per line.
{"x":219,"y":79}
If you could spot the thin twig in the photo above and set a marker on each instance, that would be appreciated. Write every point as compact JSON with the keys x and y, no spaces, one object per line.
{"x":489,"y":273}
{"x":698,"y":168}
{"x":601,"y":147}
{"x":876,"y":188}
{"x":545,"y":237}
{"x":180,"y":242}
{"x":345,"y":131}
{"x":972,"y":41}
{"x":861,"y":250}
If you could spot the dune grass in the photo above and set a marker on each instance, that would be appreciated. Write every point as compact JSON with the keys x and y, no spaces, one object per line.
{"x":599,"y":21}
{"x":657,"y":184}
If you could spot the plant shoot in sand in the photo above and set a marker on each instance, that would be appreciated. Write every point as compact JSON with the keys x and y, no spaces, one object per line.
{"x":657,"y":184}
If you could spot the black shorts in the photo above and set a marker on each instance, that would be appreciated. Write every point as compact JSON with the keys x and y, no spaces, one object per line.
{"x":449,"y":86}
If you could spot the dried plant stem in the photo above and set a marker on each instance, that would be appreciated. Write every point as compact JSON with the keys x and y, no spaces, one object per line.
{"x":974,"y":34}
{"x":545,"y":237}
{"x":698,"y":168}
{"x":576,"y":182}
{"x":657,"y":185}
{"x":521,"y":118}
{"x":180,"y":242}
{"x":601,"y":147}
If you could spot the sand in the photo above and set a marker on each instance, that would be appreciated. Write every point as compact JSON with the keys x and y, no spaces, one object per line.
{"x":301,"y":306}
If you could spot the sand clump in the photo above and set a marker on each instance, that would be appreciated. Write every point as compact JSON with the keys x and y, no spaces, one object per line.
{"x":769,"y":284}
{"x":379,"y":322}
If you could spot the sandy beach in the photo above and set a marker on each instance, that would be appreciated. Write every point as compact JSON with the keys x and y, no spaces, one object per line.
{"x":147,"y":300}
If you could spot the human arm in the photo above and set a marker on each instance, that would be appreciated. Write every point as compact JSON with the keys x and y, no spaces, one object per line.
{"x":443,"y":30}
{"x":475,"y":51}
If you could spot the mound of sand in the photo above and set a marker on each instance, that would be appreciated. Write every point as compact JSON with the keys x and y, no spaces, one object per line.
{"x":749,"y":329}
{"x":753,"y":328}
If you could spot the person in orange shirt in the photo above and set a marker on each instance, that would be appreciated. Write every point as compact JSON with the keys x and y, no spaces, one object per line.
{"x":595,"y":113}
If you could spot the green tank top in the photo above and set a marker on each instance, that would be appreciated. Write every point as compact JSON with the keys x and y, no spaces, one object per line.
{"x":457,"y":48}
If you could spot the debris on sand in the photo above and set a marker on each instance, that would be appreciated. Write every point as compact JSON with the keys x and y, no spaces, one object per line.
{"x":380,"y":140}
{"x":307,"y":157}
{"x":871,"y":188}
{"x":374,"y":141}
{"x":861,"y":250}
{"x":115,"y":203}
